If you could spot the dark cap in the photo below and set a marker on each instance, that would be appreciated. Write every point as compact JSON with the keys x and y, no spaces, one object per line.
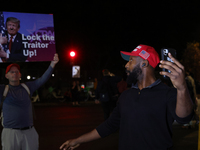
{"x":11,"y":65}
{"x":105,"y":72}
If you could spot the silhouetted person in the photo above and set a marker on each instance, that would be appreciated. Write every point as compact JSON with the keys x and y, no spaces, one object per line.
{"x":107,"y":92}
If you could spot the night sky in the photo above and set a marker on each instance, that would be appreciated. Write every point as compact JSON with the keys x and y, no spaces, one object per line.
{"x":98,"y":30}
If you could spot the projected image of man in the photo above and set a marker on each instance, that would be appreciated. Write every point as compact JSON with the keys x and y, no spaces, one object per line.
{"x":14,"y":42}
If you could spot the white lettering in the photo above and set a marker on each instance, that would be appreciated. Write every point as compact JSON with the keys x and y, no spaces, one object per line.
{"x":25,"y":52}
{"x":29,"y":37}
{"x":46,"y":37}
{"x":30,"y":53}
{"x":35,"y":45}
{"x":25,"y":44}
{"x":23,"y":37}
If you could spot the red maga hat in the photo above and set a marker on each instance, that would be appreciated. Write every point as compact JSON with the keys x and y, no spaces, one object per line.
{"x":144,"y":51}
{"x":11,"y":65}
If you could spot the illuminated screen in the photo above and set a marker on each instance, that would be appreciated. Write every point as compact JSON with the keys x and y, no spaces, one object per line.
{"x":34,"y":39}
{"x":75,"y":71}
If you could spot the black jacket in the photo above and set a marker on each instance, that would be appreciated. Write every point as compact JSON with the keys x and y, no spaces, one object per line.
{"x":17,"y":49}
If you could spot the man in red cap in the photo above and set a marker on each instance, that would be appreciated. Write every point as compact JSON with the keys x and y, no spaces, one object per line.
{"x":17,"y":117}
{"x":145,"y":112}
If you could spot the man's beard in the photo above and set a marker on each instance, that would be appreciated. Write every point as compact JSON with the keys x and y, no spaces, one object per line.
{"x":133,"y":75}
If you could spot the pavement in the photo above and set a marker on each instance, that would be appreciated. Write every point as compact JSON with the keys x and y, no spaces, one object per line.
{"x":57,"y":122}
{"x":70,"y":122}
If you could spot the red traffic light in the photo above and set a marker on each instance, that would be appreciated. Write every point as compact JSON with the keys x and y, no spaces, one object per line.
{"x":72,"y":54}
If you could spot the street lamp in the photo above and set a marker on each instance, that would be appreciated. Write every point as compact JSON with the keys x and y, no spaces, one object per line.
{"x":72,"y":56}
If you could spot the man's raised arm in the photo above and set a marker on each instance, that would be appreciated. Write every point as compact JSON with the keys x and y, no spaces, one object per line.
{"x":184,"y":105}
{"x":54,"y":61}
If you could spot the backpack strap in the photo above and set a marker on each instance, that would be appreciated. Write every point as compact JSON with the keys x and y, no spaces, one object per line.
{"x":26,"y":87}
{"x":3,"y":98}
{"x":5,"y":91}
{"x":5,"y":94}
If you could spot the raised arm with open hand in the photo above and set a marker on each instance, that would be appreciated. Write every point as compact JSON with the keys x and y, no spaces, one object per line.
{"x":54,"y":61}
{"x":184,"y":105}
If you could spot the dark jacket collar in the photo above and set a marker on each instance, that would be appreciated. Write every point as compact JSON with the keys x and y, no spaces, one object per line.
{"x":150,"y":86}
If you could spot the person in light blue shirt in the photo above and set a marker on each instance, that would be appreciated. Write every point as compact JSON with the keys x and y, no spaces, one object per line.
{"x":17,"y":120}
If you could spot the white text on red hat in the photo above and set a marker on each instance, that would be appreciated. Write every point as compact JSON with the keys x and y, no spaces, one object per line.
{"x":138,"y":47}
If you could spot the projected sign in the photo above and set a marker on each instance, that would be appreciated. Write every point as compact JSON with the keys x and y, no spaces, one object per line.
{"x":76,"y":71}
{"x":33,"y":37}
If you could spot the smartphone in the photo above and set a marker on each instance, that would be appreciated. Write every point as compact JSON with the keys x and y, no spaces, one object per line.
{"x":164,"y":56}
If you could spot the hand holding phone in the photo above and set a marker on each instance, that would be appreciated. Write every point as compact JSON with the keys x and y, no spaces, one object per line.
{"x":177,"y":74}
{"x":164,"y":56}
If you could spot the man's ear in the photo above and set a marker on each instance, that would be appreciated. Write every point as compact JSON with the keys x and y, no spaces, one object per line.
{"x":144,"y":63}
{"x":6,"y":75}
